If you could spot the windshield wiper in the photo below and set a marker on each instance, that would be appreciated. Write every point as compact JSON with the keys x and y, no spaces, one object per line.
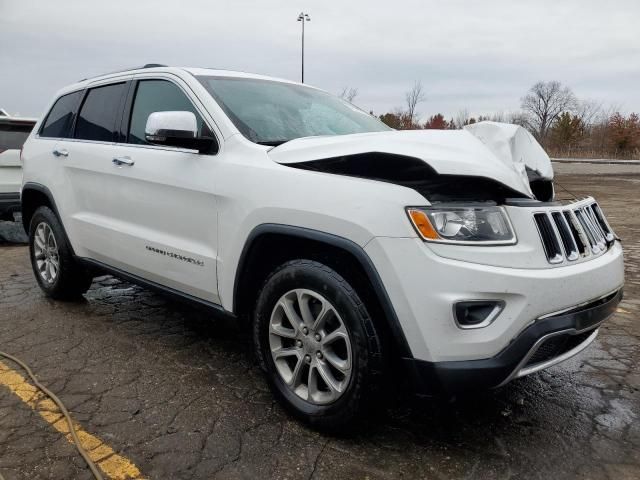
{"x":272,"y":143}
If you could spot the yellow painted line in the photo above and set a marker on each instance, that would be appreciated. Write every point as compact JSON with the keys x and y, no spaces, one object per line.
{"x":114,"y":466}
{"x":621,"y":310}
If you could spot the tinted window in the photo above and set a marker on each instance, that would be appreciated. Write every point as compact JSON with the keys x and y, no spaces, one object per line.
{"x":159,"y":96}
{"x":99,"y":115}
{"x":58,"y":122}
{"x":13,"y":136}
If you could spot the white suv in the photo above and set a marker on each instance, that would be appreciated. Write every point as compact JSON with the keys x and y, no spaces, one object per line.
{"x":362,"y":256}
{"x":13,"y":132}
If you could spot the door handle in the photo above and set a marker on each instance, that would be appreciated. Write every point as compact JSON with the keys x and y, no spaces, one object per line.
{"x":120,"y":161}
{"x":60,"y":153}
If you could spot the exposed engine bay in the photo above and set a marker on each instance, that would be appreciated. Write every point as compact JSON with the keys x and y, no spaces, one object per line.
{"x":414,"y":173}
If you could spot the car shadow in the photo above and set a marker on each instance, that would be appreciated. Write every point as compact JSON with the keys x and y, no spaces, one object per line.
{"x":12,"y":233}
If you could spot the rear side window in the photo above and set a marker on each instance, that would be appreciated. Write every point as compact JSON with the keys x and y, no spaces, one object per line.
{"x":60,"y":117}
{"x":12,"y":137}
{"x":159,"y":96}
{"x":99,"y":117}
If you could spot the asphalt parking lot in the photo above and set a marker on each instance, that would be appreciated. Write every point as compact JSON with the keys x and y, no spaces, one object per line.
{"x":169,"y":393}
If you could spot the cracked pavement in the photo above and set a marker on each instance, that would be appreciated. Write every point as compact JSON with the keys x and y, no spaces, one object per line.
{"x":178,"y":392}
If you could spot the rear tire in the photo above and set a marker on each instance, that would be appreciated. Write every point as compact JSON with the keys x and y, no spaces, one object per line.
{"x":58,"y":274}
{"x":318,"y":345}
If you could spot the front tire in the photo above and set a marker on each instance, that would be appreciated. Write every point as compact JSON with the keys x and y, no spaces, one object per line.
{"x":318,"y":345}
{"x":58,"y":274}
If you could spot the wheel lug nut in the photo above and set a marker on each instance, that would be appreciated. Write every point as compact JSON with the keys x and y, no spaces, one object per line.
{"x":299,"y":343}
{"x":319,"y":355}
{"x":305,"y":330}
{"x":307,"y":358}
{"x":318,"y":337}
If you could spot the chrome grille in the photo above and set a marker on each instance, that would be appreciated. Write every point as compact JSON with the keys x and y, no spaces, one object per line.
{"x":575,"y":231}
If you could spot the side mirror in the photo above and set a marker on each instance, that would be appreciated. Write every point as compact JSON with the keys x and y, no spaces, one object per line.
{"x":176,"y":129}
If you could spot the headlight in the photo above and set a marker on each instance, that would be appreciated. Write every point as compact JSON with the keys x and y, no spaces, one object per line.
{"x":486,"y":225}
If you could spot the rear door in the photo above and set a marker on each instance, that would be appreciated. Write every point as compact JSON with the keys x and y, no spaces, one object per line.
{"x":92,"y":205}
{"x":43,"y":163}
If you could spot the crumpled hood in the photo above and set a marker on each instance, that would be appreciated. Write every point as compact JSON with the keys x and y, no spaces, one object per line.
{"x":449,"y":152}
{"x":515,"y":147}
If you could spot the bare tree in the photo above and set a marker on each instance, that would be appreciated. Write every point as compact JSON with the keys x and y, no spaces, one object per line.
{"x":599,"y":129}
{"x":498,"y":117}
{"x":544,"y":103}
{"x":589,"y":111}
{"x":349,"y":94}
{"x":461,"y":118}
{"x":517,"y":118}
{"x":413,"y":97}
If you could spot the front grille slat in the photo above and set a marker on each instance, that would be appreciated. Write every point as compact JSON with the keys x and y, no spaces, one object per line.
{"x":568,"y":242}
{"x":573,"y":232}
{"x":549,"y":238}
{"x":595,"y":228}
{"x":584,"y":222}
{"x":594,"y":219}
{"x":602,"y":221}
{"x":581,"y":241}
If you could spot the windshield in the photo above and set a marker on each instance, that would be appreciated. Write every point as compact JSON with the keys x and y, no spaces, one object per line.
{"x":271,"y":112}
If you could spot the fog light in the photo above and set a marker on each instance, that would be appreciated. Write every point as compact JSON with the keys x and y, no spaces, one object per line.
{"x":476,"y":313}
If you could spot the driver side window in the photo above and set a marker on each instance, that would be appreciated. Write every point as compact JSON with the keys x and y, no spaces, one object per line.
{"x":159,"y":96}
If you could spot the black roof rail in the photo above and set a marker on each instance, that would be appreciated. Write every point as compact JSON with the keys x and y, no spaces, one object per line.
{"x":148,"y":65}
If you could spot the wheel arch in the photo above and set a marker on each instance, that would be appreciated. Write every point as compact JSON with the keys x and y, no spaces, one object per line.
{"x":35,"y":195}
{"x":269,"y":245}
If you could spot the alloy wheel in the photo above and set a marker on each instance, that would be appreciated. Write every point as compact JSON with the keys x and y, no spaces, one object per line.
{"x":310,"y":346}
{"x":45,"y":251}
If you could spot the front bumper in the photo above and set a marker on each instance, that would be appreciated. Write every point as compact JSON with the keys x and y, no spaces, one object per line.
{"x":546,"y":342}
{"x":423,"y":287}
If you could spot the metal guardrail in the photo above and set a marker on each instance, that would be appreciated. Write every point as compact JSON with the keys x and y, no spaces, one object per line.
{"x":596,"y":161}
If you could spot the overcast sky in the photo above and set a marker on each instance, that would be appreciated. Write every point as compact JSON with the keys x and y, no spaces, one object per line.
{"x":476,"y":55}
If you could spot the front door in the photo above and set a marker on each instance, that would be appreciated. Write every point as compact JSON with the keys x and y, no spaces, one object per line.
{"x":165,"y":226}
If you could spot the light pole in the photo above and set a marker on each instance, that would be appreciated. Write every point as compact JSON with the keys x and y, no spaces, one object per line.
{"x":303,"y":17}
